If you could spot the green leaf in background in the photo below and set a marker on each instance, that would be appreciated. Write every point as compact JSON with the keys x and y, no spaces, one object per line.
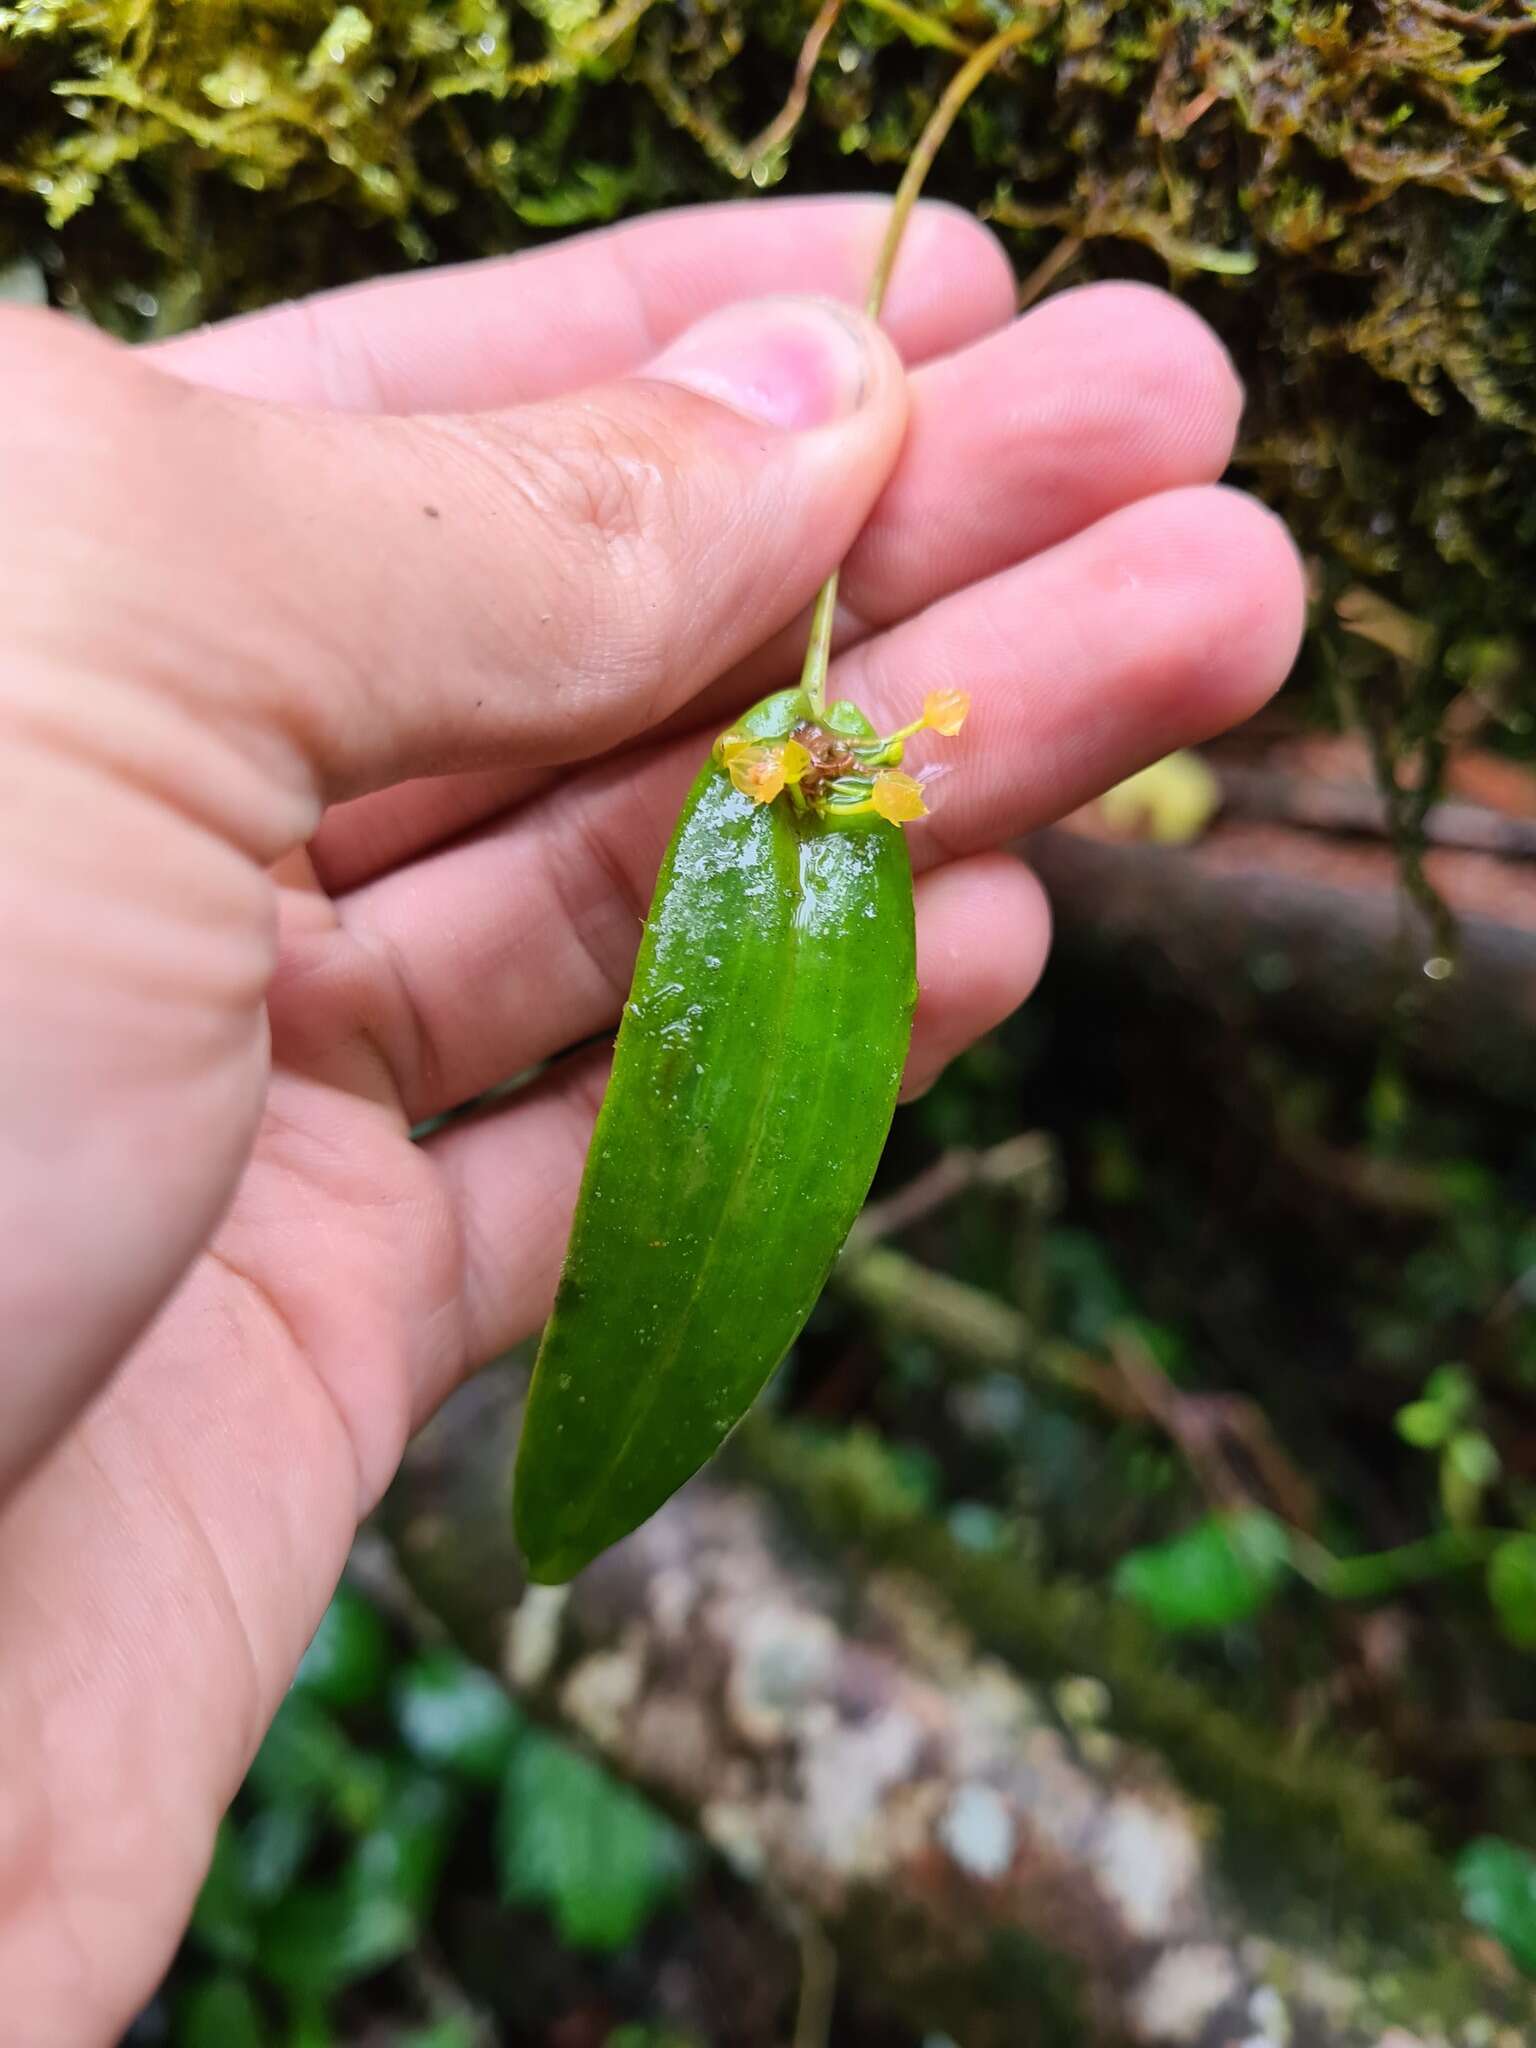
{"x":1473,"y":1458}
{"x":319,"y":1938}
{"x":273,"y":1845}
{"x":1223,"y":1570}
{"x":401,"y":1856}
{"x":455,"y":1717}
{"x":303,"y":1757}
{"x":1497,"y":1882}
{"x":1512,"y":1589}
{"x":593,"y":1855}
{"x":449,"y":2033}
{"x":348,"y":1660}
{"x":310,"y":2026}
{"x":1423,"y":1424}
{"x":1086,"y":1292}
{"x":224,"y":1919}
{"x":307,"y":1762}
{"x":1448,"y":1395}
{"x":219,"y":2013}
{"x":592,"y":192}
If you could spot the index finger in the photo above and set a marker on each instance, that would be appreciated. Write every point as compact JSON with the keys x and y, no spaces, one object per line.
{"x":474,"y":336}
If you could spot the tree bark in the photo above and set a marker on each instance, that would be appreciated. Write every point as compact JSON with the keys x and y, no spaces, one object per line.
{"x":1313,"y":932}
{"x":992,"y":1859}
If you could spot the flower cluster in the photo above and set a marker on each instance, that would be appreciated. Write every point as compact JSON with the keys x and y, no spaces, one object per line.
{"x":830,"y":772}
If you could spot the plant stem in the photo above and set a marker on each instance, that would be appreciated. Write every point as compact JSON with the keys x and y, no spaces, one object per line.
{"x":813,"y":676}
{"x":1376,"y":1575}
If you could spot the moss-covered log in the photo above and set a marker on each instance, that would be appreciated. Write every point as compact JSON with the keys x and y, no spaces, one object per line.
{"x":995,"y":1858}
{"x":1312,"y":933}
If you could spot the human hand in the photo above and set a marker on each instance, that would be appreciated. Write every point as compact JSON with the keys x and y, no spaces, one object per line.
{"x":356,"y":672}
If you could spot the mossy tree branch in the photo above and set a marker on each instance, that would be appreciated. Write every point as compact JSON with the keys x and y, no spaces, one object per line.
{"x":987,"y":1848}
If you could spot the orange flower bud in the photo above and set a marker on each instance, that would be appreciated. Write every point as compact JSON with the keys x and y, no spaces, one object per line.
{"x":757,"y":770}
{"x":944,"y":711}
{"x":898,"y":797}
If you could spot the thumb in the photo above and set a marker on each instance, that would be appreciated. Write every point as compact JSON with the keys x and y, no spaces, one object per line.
{"x":399,"y":596}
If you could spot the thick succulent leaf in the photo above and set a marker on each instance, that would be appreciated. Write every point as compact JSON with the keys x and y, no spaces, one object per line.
{"x":754,"y":1079}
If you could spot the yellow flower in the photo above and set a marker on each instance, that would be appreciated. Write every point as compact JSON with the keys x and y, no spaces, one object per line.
{"x":760,"y":768}
{"x":756,"y":769}
{"x":796,"y":760}
{"x":898,"y":797}
{"x":944,"y":711}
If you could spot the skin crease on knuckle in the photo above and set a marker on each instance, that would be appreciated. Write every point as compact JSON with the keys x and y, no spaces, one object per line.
{"x":602,"y":532}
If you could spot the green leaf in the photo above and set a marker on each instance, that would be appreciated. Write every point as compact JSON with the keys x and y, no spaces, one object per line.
{"x":401,"y":1857}
{"x":771,"y":1005}
{"x":273,"y":1845}
{"x":1512,"y":1589}
{"x":1451,"y":1387}
{"x":304,"y":1757}
{"x":310,"y":2026}
{"x":348,"y":1659}
{"x":318,"y":1939}
{"x":455,"y":1716}
{"x":224,"y":1918}
{"x":1223,"y":1570}
{"x":1473,"y":1458}
{"x":598,"y":1859}
{"x":1424,"y":1424}
{"x":1497,"y":1882}
{"x":591,"y":193}
{"x":449,"y":2033}
{"x":307,"y":1762}
{"x":219,"y":2013}
{"x":1087,"y":1296}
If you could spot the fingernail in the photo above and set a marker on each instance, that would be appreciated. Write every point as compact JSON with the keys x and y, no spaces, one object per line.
{"x":792,"y":363}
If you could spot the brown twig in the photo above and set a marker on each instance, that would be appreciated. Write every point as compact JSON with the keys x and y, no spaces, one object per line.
{"x":818,"y":1987}
{"x":1024,"y":1166}
{"x":1478,"y":21}
{"x":1207,"y":1427}
{"x":1320,"y":805}
{"x":977,"y":1329}
{"x":1225,"y":1439}
{"x":1046,"y":272}
{"x":784,"y":123}
{"x":1307,"y":931}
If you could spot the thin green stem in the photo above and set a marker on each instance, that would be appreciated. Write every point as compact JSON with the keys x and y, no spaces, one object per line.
{"x":813,"y":676}
{"x":1375,"y":1575}
{"x":818,"y":652}
{"x":940,"y":121}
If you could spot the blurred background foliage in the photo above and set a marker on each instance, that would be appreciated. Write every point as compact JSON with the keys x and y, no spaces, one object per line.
{"x":1270,"y":1398}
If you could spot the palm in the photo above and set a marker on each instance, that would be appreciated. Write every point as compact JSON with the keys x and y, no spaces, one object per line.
{"x":162,"y":1571}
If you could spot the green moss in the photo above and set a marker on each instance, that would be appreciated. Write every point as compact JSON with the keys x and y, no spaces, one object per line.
{"x":1298,"y":1820}
{"x":1347,"y":195}
{"x":1292,"y":1811}
{"x":991,"y":1988}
